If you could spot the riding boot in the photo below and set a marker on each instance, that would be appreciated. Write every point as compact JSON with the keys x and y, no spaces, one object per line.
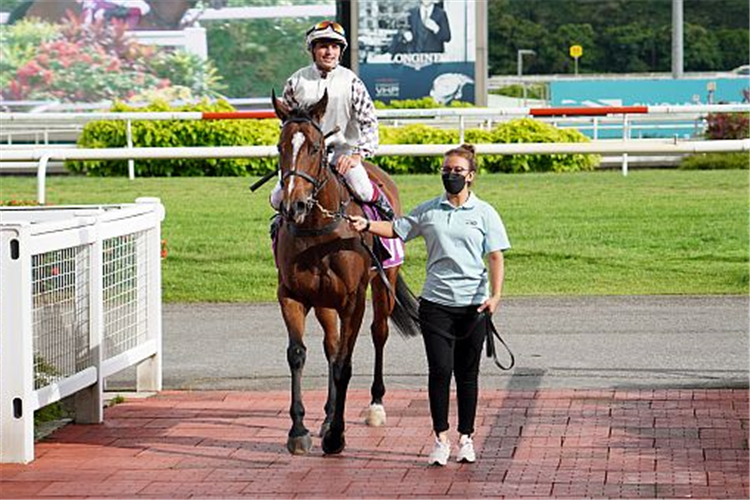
{"x":274,"y":229}
{"x":383,"y":206}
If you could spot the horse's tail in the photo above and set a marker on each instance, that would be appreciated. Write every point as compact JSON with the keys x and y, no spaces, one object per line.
{"x":405,"y":315}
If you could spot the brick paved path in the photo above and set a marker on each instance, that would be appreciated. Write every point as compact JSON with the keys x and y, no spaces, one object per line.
{"x":546,"y":443}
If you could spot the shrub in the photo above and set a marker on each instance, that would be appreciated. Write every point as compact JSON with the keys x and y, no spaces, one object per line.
{"x":89,"y":62}
{"x":103,"y":134}
{"x":188,"y":70}
{"x":423,"y":103}
{"x":722,"y":126}
{"x":19,"y":44}
{"x":18,"y":203}
{"x":728,"y":126}
{"x":523,"y":130}
{"x":173,"y":133}
{"x":716,"y":161}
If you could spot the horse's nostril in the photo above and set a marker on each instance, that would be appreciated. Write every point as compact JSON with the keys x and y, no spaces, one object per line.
{"x":299,"y":207}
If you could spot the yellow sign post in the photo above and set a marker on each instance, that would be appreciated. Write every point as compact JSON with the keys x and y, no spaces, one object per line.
{"x":576,"y":51}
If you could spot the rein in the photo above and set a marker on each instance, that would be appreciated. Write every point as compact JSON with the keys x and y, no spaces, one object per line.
{"x":483,"y":319}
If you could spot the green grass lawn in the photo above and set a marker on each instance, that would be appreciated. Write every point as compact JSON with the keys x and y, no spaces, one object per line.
{"x":599,"y":233}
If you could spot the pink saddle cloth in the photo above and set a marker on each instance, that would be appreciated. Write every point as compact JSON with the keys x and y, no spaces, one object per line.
{"x":394,"y":246}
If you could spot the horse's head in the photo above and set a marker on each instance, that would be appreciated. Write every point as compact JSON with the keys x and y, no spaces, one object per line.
{"x":302,"y":157}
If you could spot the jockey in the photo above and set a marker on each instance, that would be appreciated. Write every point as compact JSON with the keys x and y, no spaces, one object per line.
{"x":130,"y":11}
{"x":350,"y":108}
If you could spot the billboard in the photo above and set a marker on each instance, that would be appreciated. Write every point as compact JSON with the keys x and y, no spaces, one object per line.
{"x":417,"y":48}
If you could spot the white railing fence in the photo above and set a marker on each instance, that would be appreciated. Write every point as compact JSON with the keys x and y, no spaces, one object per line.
{"x":621,"y":147}
{"x":626,"y":122}
{"x":80,"y":300}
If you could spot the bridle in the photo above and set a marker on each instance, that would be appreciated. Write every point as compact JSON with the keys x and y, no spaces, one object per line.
{"x":318,"y":182}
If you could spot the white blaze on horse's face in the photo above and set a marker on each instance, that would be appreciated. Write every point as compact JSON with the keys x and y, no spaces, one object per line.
{"x":298,"y":139}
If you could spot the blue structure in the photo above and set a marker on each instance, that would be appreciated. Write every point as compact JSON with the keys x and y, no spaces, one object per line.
{"x":649,"y":92}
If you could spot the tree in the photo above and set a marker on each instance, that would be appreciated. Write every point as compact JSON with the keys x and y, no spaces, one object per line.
{"x":255,"y":56}
{"x":702,"y":49}
{"x":733,"y":45}
{"x":628,"y":47}
{"x":575,"y":34}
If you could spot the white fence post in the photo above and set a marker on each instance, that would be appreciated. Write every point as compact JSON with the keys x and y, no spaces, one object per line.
{"x":41,"y":179}
{"x":89,"y":402}
{"x":195,"y":41}
{"x":16,"y":346}
{"x":129,"y":136}
{"x":148,"y":372}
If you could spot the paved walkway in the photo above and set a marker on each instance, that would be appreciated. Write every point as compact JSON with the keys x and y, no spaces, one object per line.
{"x":607,"y":443}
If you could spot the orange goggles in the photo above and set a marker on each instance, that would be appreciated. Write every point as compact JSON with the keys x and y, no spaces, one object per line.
{"x":324,"y":25}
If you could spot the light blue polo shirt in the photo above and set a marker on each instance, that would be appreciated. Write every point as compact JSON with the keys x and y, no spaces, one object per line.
{"x":457,"y":240}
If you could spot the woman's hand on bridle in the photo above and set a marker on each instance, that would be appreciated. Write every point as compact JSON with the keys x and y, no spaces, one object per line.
{"x":346,"y":162}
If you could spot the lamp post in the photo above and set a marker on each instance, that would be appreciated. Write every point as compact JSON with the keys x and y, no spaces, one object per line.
{"x":677,"y":39}
{"x":521,"y":53}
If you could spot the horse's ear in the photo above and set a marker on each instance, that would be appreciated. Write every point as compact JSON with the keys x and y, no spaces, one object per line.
{"x":280,"y":107}
{"x":319,"y":108}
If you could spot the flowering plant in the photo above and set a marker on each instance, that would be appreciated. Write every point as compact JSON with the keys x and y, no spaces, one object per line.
{"x":65,"y":70}
{"x":728,"y":126}
{"x":90,"y":62}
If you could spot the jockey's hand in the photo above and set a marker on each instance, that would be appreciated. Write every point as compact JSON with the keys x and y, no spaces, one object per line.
{"x":346,"y":162}
{"x":358,"y":223}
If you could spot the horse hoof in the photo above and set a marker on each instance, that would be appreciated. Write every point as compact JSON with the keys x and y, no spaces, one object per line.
{"x":333,"y":444}
{"x":324,"y":428}
{"x":375,"y":415}
{"x":300,"y":445}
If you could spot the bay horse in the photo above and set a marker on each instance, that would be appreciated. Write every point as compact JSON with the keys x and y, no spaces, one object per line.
{"x":325,"y":265}
{"x":164,"y":14}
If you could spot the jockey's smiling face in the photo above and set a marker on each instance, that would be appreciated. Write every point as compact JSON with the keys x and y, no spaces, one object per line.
{"x":326,"y":54}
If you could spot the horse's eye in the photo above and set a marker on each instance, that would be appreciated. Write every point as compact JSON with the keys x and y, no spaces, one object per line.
{"x":315,"y":148}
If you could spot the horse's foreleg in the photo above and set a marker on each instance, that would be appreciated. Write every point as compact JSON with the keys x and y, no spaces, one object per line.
{"x":382,"y":304}
{"x":341,"y":369}
{"x":299,"y":441}
{"x":328,"y":321}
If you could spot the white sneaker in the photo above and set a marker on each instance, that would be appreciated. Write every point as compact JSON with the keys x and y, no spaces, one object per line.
{"x":440,"y":453}
{"x":466,"y":450}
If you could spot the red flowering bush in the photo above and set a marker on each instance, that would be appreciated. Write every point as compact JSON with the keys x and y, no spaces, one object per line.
{"x":90,"y":62}
{"x":19,"y":44}
{"x":86,"y":63}
{"x":728,"y":126}
{"x":73,"y":71}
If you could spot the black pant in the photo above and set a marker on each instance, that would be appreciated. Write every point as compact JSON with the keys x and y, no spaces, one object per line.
{"x":453,"y":339}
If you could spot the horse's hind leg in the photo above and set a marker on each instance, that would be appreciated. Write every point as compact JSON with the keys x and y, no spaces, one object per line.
{"x":299,"y":441}
{"x":382,"y":303}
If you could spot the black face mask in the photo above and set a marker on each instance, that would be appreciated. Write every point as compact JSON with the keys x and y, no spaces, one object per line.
{"x":453,"y":183}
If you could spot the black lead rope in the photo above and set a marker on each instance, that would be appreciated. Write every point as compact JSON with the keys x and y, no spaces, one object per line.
{"x":491,"y":334}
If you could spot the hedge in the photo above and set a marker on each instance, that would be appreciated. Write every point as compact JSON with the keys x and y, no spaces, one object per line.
{"x":722,"y":126}
{"x":175,"y":133}
{"x":716,"y":161}
{"x":178,"y":133}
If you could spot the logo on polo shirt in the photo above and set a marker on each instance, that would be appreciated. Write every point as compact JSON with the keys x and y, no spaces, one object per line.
{"x":472,"y":223}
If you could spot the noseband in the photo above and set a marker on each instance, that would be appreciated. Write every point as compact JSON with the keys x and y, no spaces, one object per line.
{"x":318,"y":183}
